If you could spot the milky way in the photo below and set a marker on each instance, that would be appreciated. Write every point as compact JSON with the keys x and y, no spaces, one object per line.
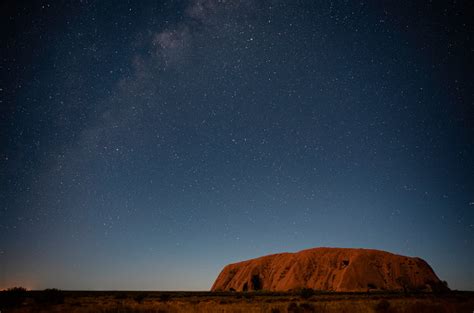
{"x":145,"y":145}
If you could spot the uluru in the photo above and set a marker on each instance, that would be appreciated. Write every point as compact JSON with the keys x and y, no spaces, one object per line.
{"x":330,"y":269}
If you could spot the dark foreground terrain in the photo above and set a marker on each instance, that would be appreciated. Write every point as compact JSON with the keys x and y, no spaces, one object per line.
{"x":161,"y":302}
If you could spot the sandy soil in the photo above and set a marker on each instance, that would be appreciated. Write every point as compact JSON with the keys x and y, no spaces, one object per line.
{"x":174,"y":302}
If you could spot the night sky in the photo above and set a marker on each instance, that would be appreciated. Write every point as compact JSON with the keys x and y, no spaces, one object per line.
{"x":146,"y":144}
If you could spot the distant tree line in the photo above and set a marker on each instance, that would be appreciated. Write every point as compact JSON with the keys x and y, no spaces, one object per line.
{"x":18,"y":296}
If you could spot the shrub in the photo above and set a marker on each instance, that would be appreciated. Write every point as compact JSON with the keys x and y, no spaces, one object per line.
{"x":248,"y":296}
{"x":306,"y":293}
{"x":13,"y":297}
{"x":50,"y":296}
{"x":164,"y":297}
{"x":140,"y":297}
{"x":120,"y":296}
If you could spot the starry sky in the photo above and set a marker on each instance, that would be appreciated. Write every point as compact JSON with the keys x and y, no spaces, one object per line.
{"x":146,"y":144}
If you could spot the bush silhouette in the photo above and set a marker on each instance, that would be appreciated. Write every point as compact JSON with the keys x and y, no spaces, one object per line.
{"x":50,"y":296}
{"x":306,"y":293}
{"x":120,"y":296}
{"x":13,"y":297}
{"x":140,"y":297}
{"x":164,"y":297}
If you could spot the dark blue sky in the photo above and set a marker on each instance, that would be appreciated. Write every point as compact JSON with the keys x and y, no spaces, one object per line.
{"x":146,"y":144}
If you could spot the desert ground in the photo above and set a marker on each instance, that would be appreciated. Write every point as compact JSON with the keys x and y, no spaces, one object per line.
{"x":230,"y":302}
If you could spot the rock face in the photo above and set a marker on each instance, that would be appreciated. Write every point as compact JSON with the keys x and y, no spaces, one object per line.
{"x":331,"y":269}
